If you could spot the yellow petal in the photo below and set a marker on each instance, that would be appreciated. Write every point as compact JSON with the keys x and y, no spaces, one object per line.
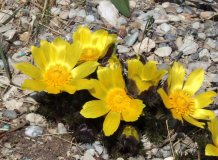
{"x":204,"y":99}
{"x":149,"y":70}
{"x":94,"y":109}
{"x":111,"y":123}
{"x":98,"y":91}
{"x":194,"y":82}
{"x":47,"y":49}
{"x":117,"y":78}
{"x":211,"y":150}
{"x":193,"y":121}
{"x":114,"y":62}
{"x":34,"y":85}
{"x":213,"y":127}
{"x":84,"y":69}
{"x":30,"y":70}
{"x":165,"y":98}
{"x":203,"y":114}
{"x":73,"y":54}
{"x":99,"y":39}
{"x":68,"y":88}
{"x":39,"y":57}
{"x":52,"y":90}
{"x":177,"y":75}
{"x":81,"y":84}
{"x":133,"y":112}
{"x":176,"y":115}
{"x":159,"y":75}
{"x":83,"y":34}
{"x":111,"y":39}
{"x":60,"y":48}
{"x":134,"y":67}
{"x":141,"y":85}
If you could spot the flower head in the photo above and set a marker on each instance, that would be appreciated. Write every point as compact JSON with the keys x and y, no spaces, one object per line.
{"x":146,"y":75}
{"x":181,"y":99}
{"x":94,"y":46}
{"x":114,"y":100}
{"x":56,"y":72}
{"x":210,"y":149}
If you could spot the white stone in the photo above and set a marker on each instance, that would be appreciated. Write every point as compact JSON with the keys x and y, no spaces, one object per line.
{"x":202,"y":35}
{"x":64,"y":14}
{"x":154,"y":151}
{"x":189,"y":46}
{"x":166,"y":4}
{"x":73,"y":13}
{"x":169,"y":158}
{"x":132,"y":4}
{"x":108,"y":12}
{"x":214,"y":56}
{"x":55,"y":10}
{"x":207,"y":14}
{"x":146,"y":46}
{"x":36,"y":119}
{"x":81,"y":13}
{"x":24,"y":22}
{"x":4,"y":15}
{"x":204,"y":53}
{"x":10,"y":34}
{"x":196,"y":25}
{"x":210,"y":42}
{"x":120,"y":159}
{"x":34,"y":131}
{"x":89,"y":18}
{"x":98,"y":147}
{"x":165,"y":27}
{"x":61,"y":128}
{"x":90,"y":151}
{"x":63,"y":2}
{"x":174,"y":18}
{"x":179,"y":41}
{"x":163,"y":51}
{"x":122,"y":49}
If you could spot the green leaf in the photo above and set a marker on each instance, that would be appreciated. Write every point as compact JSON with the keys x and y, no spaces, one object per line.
{"x":122,"y":6}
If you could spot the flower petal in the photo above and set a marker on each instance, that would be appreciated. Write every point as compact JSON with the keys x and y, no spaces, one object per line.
{"x":117,"y":78}
{"x":193,"y":121}
{"x":177,"y":75}
{"x":84,"y":69}
{"x":134,"y":67}
{"x":68,"y":88}
{"x":141,"y":85}
{"x":98,"y":91}
{"x":213,"y":127}
{"x":111,"y":39}
{"x":158,"y":76}
{"x":99,"y":39}
{"x":94,"y":109}
{"x":30,"y":70}
{"x":73,"y":55}
{"x":47,"y":49}
{"x":149,"y":71}
{"x":204,"y":99}
{"x":39,"y":57}
{"x":194,"y":82}
{"x":81,"y":84}
{"x":176,"y":115}
{"x":133,"y":112}
{"x":105,"y":77}
{"x":211,"y":150}
{"x":34,"y":85}
{"x":203,"y":114}
{"x":165,"y":98}
{"x":111,"y":123}
{"x":83,"y":34}
{"x":52,"y":90}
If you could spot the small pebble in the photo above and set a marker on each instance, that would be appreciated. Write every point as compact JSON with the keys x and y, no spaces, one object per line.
{"x":6,"y":127}
{"x":34,"y":131}
{"x":10,"y":114}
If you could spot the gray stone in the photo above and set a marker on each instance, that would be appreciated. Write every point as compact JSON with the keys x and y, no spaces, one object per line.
{"x":121,"y":21}
{"x":188,"y":9}
{"x":63,"y":2}
{"x":89,"y":18}
{"x":64,"y":14}
{"x":189,"y":46}
{"x":122,"y":49}
{"x":166,"y":148}
{"x":165,"y":27}
{"x":34,"y":131}
{"x":204,"y":54}
{"x":195,"y":56}
{"x":73,"y":13}
{"x":90,"y":151}
{"x":54,"y":23}
{"x":55,"y":11}
{"x":61,"y":128}
{"x":81,"y":13}
{"x":170,"y":37}
{"x":195,"y":65}
{"x":179,"y":9}
{"x":10,"y":34}
{"x":10,"y":114}
{"x":4,"y":15}
{"x":1,"y":64}
{"x":202,"y":35}
{"x":24,"y":22}
{"x":196,"y":25}
{"x":214,"y":56}
{"x":131,"y":39}
{"x":5,"y":28}
{"x":163,"y":52}
{"x":209,"y":43}
{"x":173,"y":18}
{"x":166,"y":153}
{"x":154,"y":151}
{"x":215,"y":78}
{"x":17,"y":43}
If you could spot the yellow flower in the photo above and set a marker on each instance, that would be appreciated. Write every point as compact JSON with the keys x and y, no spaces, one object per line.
{"x":94,"y":46}
{"x":210,"y":149}
{"x":114,"y":62}
{"x":114,"y":100}
{"x":146,"y":75}
{"x":56,"y":72}
{"x":181,"y":99}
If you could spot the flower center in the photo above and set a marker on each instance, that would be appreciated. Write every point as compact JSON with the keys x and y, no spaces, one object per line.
{"x":118,"y":100}
{"x":57,"y":75}
{"x":182,"y":103}
{"x":89,"y":54}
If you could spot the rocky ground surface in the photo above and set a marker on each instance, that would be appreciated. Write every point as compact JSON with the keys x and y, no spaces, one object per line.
{"x":185,"y":32}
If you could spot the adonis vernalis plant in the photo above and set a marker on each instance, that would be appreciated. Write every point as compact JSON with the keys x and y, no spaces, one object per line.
{"x":94,"y":46}
{"x":181,"y":100}
{"x":56,"y":70}
{"x":146,"y":75}
{"x":210,"y":149}
{"x":114,"y":100}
